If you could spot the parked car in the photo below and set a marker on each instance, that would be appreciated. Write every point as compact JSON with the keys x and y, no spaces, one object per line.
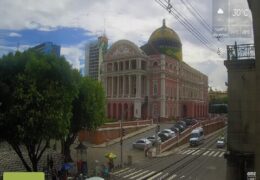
{"x":188,"y":121}
{"x":164,"y":136}
{"x":142,"y":143}
{"x":180,"y":127}
{"x":183,"y":123}
{"x":153,"y":139}
{"x":175,"y":129}
{"x":221,"y":142}
{"x":169,"y":131}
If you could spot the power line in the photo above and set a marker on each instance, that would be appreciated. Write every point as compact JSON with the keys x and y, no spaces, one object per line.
{"x":182,"y":19}
{"x":185,"y":23}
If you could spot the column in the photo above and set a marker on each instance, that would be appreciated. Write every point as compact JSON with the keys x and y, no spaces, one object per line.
{"x":112,"y":93}
{"x":123,"y":93}
{"x":148,"y":95}
{"x":129,"y":86}
{"x":138,"y":86}
{"x":117,"y":86}
{"x":162,"y":99}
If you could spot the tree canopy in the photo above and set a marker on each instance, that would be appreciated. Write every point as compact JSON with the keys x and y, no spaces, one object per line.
{"x":36,"y":94}
{"x":88,"y":111}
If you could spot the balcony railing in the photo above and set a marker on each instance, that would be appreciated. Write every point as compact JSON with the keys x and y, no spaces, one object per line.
{"x":240,"y":52}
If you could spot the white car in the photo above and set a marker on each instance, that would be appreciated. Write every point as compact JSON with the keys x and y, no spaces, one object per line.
{"x":142,"y":143}
{"x":170,"y":132}
{"x":221,"y":142}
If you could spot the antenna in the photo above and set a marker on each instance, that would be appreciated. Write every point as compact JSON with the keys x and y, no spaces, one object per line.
{"x":104,"y":33}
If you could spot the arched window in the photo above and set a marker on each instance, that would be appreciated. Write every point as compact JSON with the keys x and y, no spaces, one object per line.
{"x":155,"y":64}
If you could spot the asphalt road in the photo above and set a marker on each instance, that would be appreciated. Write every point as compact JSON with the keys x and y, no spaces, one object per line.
{"x":202,"y":162}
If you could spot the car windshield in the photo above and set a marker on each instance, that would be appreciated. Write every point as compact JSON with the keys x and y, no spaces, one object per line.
{"x":194,"y":135}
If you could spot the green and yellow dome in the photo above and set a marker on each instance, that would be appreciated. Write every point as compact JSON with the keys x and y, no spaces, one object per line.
{"x":164,"y":41}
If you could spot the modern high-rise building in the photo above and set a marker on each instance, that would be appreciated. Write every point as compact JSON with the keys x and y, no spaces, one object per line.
{"x":48,"y":48}
{"x":94,"y":56}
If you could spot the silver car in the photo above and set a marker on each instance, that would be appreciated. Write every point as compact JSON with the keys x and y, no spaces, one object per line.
{"x":169,"y":131}
{"x":153,"y":139}
{"x":142,"y":143}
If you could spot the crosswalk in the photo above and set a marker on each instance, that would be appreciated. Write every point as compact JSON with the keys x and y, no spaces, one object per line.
{"x":210,"y":152}
{"x":140,"y":174}
{"x":132,"y":173}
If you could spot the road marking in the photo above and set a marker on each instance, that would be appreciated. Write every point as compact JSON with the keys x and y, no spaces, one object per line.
{"x":216,"y":154}
{"x":172,"y":177}
{"x":139,"y":174}
{"x":191,"y":151}
{"x":146,"y":175}
{"x":205,"y":153}
{"x":163,"y":176}
{"x":132,"y":173}
{"x":155,"y":176}
{"x":212,"y":152}
{"x":196,"y":152}
{"x":122,"y":170}
{"x":221,"y":154}
{"x":185,"y":152}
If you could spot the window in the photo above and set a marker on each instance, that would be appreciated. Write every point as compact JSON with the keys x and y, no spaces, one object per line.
{"x":143,"y":65}
{"x":127,"y":65}
{"x":115,"y":67}
{"x":155,"y":64}
{"x":133,"y":64}
{"x":121,"y":66}
{"x":155,"y":87}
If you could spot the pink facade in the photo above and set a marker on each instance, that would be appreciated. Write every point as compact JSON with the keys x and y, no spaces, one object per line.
{"x":141,"y":86}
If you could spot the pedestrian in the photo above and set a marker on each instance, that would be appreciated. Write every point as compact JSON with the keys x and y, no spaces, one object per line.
{"x":145,"y":150}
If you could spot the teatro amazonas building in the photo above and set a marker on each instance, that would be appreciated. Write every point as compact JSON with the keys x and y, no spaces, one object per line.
{"x":153,"y":80}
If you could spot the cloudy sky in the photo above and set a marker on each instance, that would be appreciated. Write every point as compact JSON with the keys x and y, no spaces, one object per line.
{"x":73,"y":23}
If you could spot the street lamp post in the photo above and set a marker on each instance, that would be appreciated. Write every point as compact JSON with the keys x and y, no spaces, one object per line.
{"x":157,"y":129}
{"x":121,"y":143}
{"x":82,"y":161}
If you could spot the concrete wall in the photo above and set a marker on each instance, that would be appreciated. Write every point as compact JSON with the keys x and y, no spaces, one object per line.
{"x":241,"y":104}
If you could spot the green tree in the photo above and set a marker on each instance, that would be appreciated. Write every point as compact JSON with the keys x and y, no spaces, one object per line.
{"x":36,"y":94}
{"x":88,"y":112}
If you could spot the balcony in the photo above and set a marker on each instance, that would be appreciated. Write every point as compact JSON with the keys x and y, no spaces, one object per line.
{"x":241,"y":52}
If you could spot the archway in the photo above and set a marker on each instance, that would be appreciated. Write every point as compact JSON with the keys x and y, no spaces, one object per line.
{"x":120,"y":111}
{"x":184,"y":110}
{"x":125,"y":111}
{"x":114,"y":110}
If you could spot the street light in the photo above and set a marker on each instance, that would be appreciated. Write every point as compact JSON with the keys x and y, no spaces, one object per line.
{"x":82,"y":161}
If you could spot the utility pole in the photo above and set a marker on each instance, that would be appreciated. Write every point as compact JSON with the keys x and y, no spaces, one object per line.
{"x":157,"y":129}
{"x":121,"y":145}
{"x":121,"y":139}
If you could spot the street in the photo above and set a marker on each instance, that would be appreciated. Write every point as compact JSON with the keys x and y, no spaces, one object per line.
{"x":202,"y":162}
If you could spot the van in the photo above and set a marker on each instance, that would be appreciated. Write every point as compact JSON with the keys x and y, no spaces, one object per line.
{"x":197,"y":137}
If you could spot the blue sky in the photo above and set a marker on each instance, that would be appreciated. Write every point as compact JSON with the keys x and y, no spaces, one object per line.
{"x":62,"y":35}
{"x":73,"y":23}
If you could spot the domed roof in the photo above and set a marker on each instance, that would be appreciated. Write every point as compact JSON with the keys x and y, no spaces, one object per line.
{"x":166,"y":41}
{"x":165,"y":33}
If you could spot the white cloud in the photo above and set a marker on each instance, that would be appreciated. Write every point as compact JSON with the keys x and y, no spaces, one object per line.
{"x":14,"y":34}
{"x":216,"y":71}
{"x":73,"y":54}
{"x":134,"y":20}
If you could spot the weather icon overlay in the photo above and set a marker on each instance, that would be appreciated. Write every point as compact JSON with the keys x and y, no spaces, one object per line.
{"x":231,"y":18}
